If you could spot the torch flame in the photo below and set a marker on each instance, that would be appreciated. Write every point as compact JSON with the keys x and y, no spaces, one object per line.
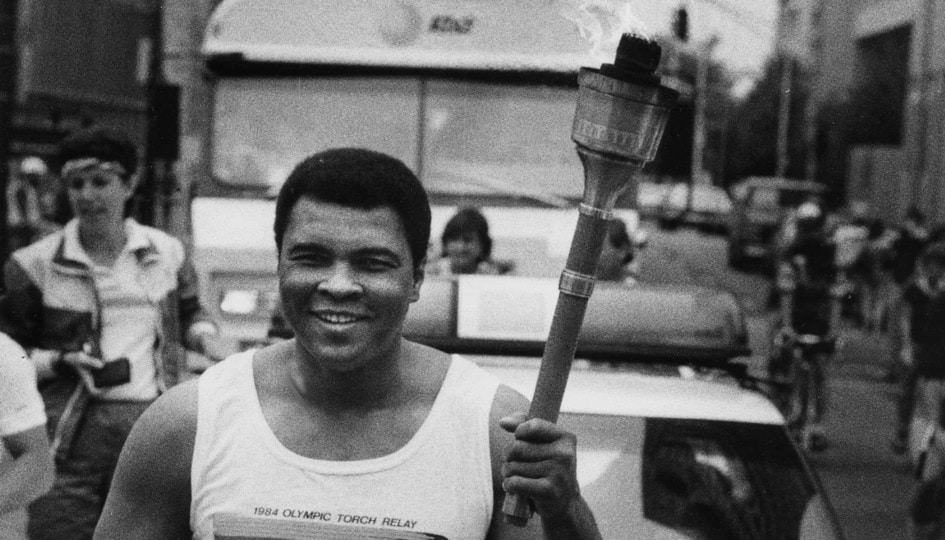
{"x":602,"y":22}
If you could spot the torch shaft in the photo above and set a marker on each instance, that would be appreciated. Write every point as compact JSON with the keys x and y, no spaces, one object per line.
{"x":575,"y":288}
{"x":568,"y":317}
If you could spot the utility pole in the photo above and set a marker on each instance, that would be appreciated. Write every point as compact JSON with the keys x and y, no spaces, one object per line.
{"x":161,"y":148}
{"x":784,"y":114}
{"x":704,"y":56}
{"x":924,"y":187}
{"x":8,"y":65}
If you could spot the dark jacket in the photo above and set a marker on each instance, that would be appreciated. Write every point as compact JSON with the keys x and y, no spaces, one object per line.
{"x":50,"y":304}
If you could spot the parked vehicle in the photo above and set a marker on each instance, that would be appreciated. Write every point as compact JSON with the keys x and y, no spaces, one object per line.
{"x":760,"y":205}
{"x":707,"y":209}
{"x":675,"y":438}
{"x":649,"y":197}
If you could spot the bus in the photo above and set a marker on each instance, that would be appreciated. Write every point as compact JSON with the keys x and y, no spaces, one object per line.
{"x":476,"y":97}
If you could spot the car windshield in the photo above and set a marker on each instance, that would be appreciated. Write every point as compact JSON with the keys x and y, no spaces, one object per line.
{"x":679,"y":478}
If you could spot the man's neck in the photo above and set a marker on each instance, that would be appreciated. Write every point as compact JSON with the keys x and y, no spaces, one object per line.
{"x":375,"y":385}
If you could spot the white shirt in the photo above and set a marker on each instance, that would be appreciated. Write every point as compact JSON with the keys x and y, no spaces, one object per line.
{"x":21,"y":409}
{"x":130,"y":320}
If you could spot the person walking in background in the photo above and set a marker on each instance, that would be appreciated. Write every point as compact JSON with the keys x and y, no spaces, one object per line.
{"x":466,"y":247}
{"x":618,"y":258}
{"x":26,"y":464}
{"x":807,"y":281}
{"x":348,"y":420}
{"x":912,"y":237}
{"x":103,"y":307}
{"x":927,"y":511}
{"x":29,"y":215}
{"x":921,"y":323}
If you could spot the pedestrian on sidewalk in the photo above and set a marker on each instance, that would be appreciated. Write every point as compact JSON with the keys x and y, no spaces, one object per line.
{"x":104,"y":307}
{"x":26,"y":465}
{"x":927,"y":511}
{"x":921,"y":321}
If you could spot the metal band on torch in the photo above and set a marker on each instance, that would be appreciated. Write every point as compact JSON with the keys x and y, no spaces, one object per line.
{"x":594,"y":212}
{"x":576,"y":284}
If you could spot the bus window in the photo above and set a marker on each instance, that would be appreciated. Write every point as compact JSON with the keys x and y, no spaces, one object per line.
{"x":263,"y":127}
{"x":497,"y":139}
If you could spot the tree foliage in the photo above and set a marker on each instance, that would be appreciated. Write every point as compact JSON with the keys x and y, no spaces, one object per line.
{"x":752,"y":139}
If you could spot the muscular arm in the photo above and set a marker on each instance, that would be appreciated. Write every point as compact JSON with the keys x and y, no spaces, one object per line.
{"x":31,"y":472}
{"x":150,"y":493}
{"x":562,"y":512}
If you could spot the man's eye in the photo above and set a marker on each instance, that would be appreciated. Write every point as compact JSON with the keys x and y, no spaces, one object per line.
{"x":377,"y":264}
{"x":309,"y":257}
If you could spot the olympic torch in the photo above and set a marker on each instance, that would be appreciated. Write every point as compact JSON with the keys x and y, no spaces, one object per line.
{"x":621,"y":112}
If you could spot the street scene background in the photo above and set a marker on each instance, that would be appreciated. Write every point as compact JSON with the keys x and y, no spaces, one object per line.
{"x":869,"y":485}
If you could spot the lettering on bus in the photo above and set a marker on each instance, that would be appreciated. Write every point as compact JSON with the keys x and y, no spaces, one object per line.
{"x":450,"y":24}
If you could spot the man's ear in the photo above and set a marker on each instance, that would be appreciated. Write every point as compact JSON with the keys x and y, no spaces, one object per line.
{"x":418,"y":275}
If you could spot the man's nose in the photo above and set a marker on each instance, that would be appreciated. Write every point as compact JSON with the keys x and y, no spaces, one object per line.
{"x":340,"y":281}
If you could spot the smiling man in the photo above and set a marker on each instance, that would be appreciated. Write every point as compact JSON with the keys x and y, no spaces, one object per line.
{"x":347,"y":429}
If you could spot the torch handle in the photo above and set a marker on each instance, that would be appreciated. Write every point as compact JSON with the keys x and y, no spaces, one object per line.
{"x":575,"y":289}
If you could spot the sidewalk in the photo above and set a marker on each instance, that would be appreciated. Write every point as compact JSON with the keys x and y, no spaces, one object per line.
{"x":869,"y":486}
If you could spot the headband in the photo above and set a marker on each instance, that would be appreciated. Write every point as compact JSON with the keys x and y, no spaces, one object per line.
{"x":74,"y":166}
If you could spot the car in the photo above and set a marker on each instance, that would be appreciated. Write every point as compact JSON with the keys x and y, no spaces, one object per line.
{"x":759,"y":208}
{"x":707,"y":208}
{"x":676,"y":439}
{"x":650,"y":195}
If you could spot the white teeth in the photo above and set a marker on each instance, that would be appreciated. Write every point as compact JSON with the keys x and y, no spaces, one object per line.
{"x":337,"y":318}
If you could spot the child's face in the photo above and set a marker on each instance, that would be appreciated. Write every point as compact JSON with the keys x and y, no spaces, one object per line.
{"x":464,"y":251}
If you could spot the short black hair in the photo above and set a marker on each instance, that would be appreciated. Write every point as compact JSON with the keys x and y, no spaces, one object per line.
{"x":934,"y":252}
{"x":468,"y":220}
{"x":100,"y":143}
{"x":363,"y":179}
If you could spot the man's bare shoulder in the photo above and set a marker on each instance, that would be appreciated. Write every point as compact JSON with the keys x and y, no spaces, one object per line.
{"x":169,"y":424}
{"x":177,"y":408}
{"x":150,"y":494}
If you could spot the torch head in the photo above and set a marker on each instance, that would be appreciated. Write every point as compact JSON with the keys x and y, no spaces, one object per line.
{"x":621,"y":112}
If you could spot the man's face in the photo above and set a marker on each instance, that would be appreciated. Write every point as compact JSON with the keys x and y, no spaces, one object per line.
{"x":346,"y":278}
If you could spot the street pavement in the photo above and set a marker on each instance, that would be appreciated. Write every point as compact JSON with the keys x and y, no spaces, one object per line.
{"x":868,"y":485}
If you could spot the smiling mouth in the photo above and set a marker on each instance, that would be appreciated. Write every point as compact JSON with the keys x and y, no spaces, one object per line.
{"x":337,"y":317}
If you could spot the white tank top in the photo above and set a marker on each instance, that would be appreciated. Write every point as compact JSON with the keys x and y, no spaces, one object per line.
{"x":245,"y":484}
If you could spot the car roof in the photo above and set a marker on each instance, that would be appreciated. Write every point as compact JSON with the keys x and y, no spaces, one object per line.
{"x":643,"y":391}
{"x":782,"y":183}
{"x":511,"y":315}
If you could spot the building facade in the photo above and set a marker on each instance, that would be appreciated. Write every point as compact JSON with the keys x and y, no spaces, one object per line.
{"x":875,"y":71}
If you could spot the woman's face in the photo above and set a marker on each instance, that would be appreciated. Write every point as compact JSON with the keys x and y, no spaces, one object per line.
{"x":464,"y":252}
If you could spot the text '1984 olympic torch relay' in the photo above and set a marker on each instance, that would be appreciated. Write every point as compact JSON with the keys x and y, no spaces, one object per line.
{"x":621,"y":112}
